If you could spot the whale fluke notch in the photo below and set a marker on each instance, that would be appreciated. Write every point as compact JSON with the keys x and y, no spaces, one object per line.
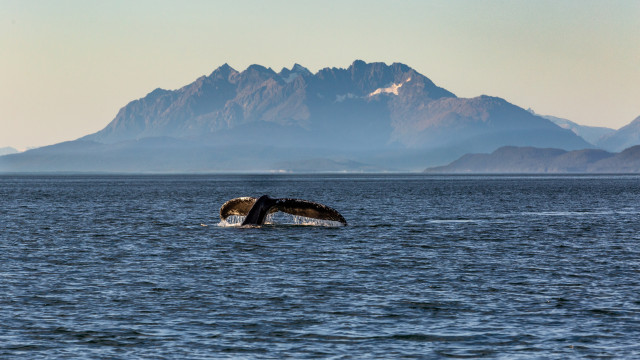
{"x":256,"y":210}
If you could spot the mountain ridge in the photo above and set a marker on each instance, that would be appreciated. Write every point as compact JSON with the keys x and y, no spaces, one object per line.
{"x":228,"y":98}
{"x":530,"y":160}
{"x":592,"y":134}
{"x":371,"y":114}
{"x":623,"y":138}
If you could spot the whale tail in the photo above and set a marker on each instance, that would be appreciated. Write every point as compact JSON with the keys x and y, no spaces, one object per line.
{"x":265,"y":205}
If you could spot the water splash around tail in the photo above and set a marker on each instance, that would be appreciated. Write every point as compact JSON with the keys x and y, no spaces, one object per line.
{"x":280,"y":218}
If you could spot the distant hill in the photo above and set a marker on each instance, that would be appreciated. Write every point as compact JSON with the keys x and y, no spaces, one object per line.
{"x":511,"y":159}
{"x":592,"y":134}
{"x":7,"y":150}
{"x":623,"y":138}
{"x":369,"y":115}
{"x":602,"y":137}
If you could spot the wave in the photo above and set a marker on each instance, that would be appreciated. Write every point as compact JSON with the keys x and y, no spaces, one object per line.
{"x":280,"y":218}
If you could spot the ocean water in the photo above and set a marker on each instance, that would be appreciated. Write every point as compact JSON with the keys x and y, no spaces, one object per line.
{"x":141,"y":267}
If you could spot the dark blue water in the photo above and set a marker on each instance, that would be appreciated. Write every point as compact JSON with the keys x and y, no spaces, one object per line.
{"x":121,"y":267}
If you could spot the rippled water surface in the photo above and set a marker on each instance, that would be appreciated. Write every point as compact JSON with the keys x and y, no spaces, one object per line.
{"x":139,"y":267}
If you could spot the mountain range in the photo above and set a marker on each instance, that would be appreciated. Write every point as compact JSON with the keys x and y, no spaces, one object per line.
{"x":367,"y":117}
{"x":528,"y":160}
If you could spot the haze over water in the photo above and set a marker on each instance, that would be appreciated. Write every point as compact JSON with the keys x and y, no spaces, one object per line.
{"x":430,"y":266}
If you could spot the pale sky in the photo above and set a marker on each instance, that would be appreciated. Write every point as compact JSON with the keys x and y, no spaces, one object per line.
{"x":67,"y":67}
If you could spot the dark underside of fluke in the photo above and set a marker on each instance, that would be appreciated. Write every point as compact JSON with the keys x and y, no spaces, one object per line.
{"x":256,"y":210}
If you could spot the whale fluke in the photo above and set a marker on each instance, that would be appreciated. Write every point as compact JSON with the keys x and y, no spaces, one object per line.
{"x":256,"y":210}
{"x":308,"y":209}
{"x":238,"y":206}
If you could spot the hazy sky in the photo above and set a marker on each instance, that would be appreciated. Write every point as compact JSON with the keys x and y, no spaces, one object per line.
{"x":67,"y":67}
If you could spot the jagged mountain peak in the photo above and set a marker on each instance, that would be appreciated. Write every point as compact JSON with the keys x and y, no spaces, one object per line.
{"x":223,"y":71}
{"x":224,"y":68}
{"x":300,"y":69}
{"x":297,"y":70}
{"x":256,"y":68}
{"x":363,"y":79}
{"x":357,"y":63}
{"x":360,"y":68}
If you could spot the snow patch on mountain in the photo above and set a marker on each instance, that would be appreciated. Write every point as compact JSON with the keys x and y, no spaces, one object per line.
{"x":392,"y":89}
